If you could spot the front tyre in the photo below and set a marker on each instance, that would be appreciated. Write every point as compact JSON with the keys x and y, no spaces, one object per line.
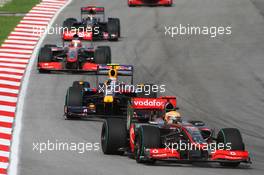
{"x":113,"y":136}
{"x":147,"y":137}
{"x":233,"y":137}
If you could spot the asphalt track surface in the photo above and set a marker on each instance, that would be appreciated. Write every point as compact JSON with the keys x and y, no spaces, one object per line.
{"x":218,"y":80}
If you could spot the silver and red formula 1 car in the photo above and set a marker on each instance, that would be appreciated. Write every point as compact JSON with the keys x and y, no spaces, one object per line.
{"x":146,"y":140}
{"x":132,"y":3}
{"x":92,"y":26}
{"x":73,"y":58}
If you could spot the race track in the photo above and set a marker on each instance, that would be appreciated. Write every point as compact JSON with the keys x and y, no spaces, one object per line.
{"x":218,"y":80}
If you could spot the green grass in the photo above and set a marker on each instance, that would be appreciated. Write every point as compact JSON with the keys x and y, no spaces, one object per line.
{"x":8,"y":23}
{"x":19,"y":6}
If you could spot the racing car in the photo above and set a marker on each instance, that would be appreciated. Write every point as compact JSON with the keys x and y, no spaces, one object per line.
{"x":132,"y":3}
{"x":145,"y":139}
{"x":75,"y":57}
{"x":92,"y":26}
{"x":83,"y":101}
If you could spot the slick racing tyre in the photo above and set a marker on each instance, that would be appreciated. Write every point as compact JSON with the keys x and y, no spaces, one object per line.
{"x":69,"y":23}
{"x":113,"y":28}
{"x":108,"y":52}
{"x":74,"y":97}
{"x":45,"y":56}
{"x":147,"y":91}
{"x":102,"y":56}
{"x":113,"y":136}
{"x":147,"y":137}
{"x":233,"y":137}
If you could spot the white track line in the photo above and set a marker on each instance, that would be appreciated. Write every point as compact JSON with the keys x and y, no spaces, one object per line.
{"x":15,"y":152}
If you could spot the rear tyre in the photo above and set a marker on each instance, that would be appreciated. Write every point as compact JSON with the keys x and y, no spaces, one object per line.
{"x":113,"y":27}
{"x":108,"y":53}
{"x":147,"y":137}
{"x":69,"y":22}
{"x":74,"y":97}
{"x":101,"y":56}
{"x":233,"y":137}
{"x":147,"y":92}
{"x":113,"y":136}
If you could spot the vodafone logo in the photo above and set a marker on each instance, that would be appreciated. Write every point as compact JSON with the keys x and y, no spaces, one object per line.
{"x":148,"y":103}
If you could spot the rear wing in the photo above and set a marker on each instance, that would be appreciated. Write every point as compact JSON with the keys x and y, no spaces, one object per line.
{"x":92,"y":10}
{"x":122,"y":70}
{"x":119,"y":70}
{"x":153,"y":103}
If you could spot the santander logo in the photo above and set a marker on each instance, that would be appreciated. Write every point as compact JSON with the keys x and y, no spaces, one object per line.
{"x":148,"y":103}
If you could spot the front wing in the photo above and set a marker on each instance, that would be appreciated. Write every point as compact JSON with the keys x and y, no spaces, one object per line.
{"x":172,"y":155}
{"x":89,"y":36}
{"x":60,"y":67}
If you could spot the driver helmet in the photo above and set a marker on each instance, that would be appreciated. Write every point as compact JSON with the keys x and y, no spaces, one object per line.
{"x":76,"y":42}
{"x":172,"y":117}
{"x":89,"y":18}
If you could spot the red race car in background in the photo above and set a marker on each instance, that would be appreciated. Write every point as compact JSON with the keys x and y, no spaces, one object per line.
{"x":154,"y":131}
{"x":132,"y":3}
{"x":74,"y":58}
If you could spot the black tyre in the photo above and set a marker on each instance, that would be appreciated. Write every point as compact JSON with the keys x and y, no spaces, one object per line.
{"x":147,"y":137}
{"x":74,"y":97}
{"x":69,"y":22}
{"x":119,"y":27}
{"x":100,"y":56}
{"x":147,"y":91}
{"x":113,"y":136}
{"x":108,"y":52}
{"x":113,"y":27}
{"x":233,"y":137}
{"x":45,"y":55}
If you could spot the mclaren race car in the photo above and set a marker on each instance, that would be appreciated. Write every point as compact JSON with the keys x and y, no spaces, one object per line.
{"x":105,"y":99}
{"x":154,"y":131}
{"x":92,"y":26}
{"x":132,"y":3}
{"x":74,"y":58}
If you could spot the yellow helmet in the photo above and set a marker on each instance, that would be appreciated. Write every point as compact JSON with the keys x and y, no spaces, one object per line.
{"x":172,"y":117}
